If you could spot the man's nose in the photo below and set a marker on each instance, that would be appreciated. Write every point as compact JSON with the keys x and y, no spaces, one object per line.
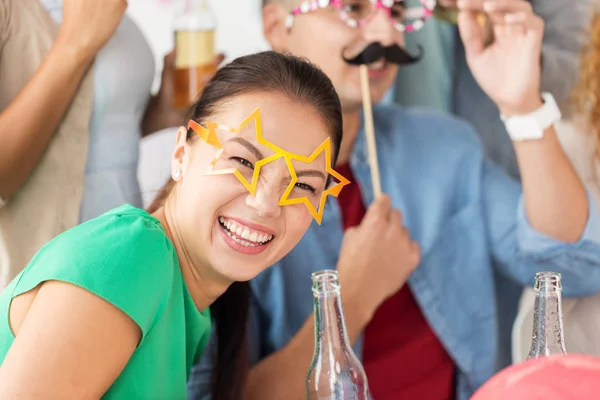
{"x":380,"y":28}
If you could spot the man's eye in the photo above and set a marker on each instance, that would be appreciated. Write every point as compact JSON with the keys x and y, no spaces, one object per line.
{"x":357,"y":9}
{"x":398,"y":12}
{"x":306,"y":187}
{"x":243,"y":161}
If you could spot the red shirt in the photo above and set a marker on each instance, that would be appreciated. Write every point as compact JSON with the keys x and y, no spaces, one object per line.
{"x":402,"y":356}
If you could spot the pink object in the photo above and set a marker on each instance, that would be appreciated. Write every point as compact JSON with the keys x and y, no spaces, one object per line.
{"x":570,"y":377}
{"x":419,"y":13}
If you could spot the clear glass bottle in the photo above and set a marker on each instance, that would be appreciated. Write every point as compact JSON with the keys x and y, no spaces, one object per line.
{"x":548,"y":334}
{"x":335,"y":372}
{"x":194,"y":28}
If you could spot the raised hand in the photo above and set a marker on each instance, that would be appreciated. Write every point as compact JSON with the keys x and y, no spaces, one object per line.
{"x":88,"y":24}
{"x":160,"y":113}
{"x":509,"y":68}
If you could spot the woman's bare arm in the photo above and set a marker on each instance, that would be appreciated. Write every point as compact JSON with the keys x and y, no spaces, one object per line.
{"x":71,"y":344}
{"x":29,"y":122}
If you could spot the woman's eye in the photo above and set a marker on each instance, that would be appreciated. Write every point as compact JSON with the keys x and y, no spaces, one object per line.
{"x":243,"y":161}
{"x":306,"y":187}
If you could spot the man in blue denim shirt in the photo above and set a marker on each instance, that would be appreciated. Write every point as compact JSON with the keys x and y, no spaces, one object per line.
{"x":465,"y":214}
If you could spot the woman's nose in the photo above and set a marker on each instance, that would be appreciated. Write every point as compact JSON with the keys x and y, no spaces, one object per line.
{"x":265,"y":200}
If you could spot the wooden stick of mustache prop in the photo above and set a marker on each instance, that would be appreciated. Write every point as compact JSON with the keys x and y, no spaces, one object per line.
{"x":373,"y":52}
{"x":370,"y":129}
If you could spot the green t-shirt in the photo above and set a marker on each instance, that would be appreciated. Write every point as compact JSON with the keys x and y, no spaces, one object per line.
{"x":125,"y":257}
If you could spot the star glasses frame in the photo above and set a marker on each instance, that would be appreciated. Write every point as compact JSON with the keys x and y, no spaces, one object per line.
{"x":207,"y":132}
{"x":420,"y":14}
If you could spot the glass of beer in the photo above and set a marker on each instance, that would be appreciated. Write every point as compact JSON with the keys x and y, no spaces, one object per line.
{"x":194,"y":28}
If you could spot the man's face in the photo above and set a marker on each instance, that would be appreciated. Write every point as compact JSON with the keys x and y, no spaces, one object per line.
{"x":323,"y":38}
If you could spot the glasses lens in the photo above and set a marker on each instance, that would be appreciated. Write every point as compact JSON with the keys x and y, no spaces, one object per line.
{"x":403,"y":13}
{"x":358,"y":10}
{"x":408,"y":13}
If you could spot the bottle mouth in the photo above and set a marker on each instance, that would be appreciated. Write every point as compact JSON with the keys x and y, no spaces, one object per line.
{"x":548,"y":282}
{"x":325,"y":281}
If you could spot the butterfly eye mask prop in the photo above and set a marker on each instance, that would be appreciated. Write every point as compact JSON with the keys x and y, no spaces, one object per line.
{"x":208,"y":133}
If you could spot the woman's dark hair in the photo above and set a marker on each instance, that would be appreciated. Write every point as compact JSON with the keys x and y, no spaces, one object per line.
{"x":262,"y":72}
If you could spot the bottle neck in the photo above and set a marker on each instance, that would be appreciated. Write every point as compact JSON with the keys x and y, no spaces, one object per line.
{"x":194,"y":15}
{"x":196,"y":6}
{"x":330,"y":327}
{"x":548,"y":333}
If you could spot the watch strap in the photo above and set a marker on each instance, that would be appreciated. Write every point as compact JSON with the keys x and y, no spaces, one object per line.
{"x":532,"y":125}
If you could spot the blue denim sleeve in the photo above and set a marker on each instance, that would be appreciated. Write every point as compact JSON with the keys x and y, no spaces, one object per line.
{"x":533,"y":241}
{"x":198,"y":387}
{"x":520,"y":251}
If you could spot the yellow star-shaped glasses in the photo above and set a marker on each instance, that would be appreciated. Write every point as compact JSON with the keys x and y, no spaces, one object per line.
{"x":209,"y":135}
{"x":332,"y":191}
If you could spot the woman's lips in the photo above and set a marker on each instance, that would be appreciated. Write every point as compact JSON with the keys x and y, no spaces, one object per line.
{"x":243,"y":236}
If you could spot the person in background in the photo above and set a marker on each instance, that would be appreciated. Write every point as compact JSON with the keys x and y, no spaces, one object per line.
{"x":50,"y":180}
{"x":123,"y":112}
{"x":580,"y":137}
{"x":453,"y":89}
{"x":418,"y":295}
{"x":46,"y":89}
{"x":118,"y":307}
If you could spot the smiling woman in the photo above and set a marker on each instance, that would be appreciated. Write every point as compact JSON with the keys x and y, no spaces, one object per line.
{"x":121,"y":306}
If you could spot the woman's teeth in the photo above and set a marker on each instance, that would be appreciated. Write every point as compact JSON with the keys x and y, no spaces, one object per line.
{"x":242,"y":234}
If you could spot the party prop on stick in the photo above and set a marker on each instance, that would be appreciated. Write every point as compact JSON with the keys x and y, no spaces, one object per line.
{"x":370,"y":130}
{"x":372,"y":53}
{"x":560,"y":377}
{"x":207,"y":131}
{"x":403,"y":18}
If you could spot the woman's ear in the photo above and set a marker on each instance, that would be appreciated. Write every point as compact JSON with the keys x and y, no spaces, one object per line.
{"x":177,"y":160}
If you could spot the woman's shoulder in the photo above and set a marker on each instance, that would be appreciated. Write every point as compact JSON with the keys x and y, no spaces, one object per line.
{"x":123,"y":256}
{"x":124,"y":234}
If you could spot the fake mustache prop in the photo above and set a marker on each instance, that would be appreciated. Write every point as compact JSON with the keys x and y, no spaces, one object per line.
{"x":367,"y":55}
{"x":393,"y":53}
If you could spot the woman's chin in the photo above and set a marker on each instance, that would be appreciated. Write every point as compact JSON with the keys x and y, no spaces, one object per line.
{"x":233,"y":274}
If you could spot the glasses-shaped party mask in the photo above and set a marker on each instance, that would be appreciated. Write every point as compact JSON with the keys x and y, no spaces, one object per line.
{"x":357,"y":13}
{"x":238,"y":156}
